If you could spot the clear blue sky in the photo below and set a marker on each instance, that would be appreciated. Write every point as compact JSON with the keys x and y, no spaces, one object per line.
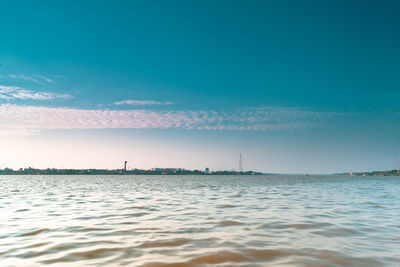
{"x":295,"y":86}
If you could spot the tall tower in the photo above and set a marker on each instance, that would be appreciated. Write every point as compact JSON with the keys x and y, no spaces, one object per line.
{"x":240,"y":163}
{"x":396,"y":162}
{"x":125,"y":166}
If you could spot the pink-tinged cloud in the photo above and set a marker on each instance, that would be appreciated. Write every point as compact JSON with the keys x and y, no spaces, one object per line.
{"x":33,"y":119}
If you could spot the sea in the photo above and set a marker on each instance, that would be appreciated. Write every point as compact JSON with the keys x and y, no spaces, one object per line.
{"x":206,"y":220}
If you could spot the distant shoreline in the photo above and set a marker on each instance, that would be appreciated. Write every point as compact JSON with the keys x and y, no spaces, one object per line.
{"x":156,"y":171}
{"x":175,"y":171}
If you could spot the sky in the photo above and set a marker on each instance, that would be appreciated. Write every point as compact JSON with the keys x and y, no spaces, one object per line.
{"x":295,"y":86}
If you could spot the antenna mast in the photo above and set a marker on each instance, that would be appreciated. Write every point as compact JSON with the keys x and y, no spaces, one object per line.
{"x":240,"y":163}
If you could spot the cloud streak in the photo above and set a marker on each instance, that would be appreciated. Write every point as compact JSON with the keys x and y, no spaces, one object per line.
{"x":33,"y":119}
{"x":22,"y":77}
{"x":46,"y":79}
{"x":35,"y":78}
{"x":16,"y":92}
{"x":142,"y":102}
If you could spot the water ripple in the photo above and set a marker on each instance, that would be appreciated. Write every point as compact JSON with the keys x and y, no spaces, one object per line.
{"x":196,"y":221}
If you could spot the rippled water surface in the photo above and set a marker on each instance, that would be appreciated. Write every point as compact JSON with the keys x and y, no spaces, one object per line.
{"x":199,"y":221}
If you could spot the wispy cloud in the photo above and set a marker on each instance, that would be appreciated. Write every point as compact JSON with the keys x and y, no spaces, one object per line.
{"x":35,"y":78}
{"x":142,"y":102}
{"x":16,"y":92}
{"x":22,"y":77}
{"x":34,"y":119}
{"x":46,"y":79}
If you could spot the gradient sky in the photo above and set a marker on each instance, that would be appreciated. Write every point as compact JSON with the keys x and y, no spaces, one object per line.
{"x":295,"y":86}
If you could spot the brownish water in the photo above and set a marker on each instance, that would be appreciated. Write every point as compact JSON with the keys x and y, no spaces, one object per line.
{"x":199,"y":221}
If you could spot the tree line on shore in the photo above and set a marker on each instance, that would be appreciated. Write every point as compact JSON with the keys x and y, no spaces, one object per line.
{"x":155,"y":171}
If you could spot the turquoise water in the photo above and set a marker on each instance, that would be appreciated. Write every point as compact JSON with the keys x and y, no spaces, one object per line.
{"x":199,"y":221}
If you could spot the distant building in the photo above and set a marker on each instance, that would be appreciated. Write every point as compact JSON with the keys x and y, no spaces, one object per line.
{"x":207,"y":170}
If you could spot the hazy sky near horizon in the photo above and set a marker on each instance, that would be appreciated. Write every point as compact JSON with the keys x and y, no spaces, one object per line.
{"x":295,"y":86}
